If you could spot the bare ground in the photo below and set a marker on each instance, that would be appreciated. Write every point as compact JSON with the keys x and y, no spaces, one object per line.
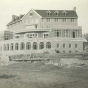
{"x":28,"y":75}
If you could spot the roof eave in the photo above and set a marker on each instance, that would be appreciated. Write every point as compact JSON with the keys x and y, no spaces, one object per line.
{"x":13,"y":22}
{"x":60,"y":17}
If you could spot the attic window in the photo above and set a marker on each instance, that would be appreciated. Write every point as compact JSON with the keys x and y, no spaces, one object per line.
{"x":56,"y":13}
{"x":64,"y":13}
{"x":31,"y":14}
{"x":48,"y":12}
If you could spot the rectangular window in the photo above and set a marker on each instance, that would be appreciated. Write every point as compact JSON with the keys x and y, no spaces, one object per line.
{"x":79,"y":34}
{"x":57,"y":33}
{"x":72,"y":20}
{"x":57,"y":45}
{"x":56,"y":20}
{"x":45,"y":35}
{"x":32,"y":35}
{"x":69,"y":45}
{"x":64,"y":20}
{"x":75,"y":45}
{"x":48,"y":19}
{"x":63,"y":45}
{"x":66,"y":33}
{"x":35,"y":26}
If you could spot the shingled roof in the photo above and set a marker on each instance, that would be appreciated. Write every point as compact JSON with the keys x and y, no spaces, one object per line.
{"x":44,"y":14}
{"x":69,"y":13}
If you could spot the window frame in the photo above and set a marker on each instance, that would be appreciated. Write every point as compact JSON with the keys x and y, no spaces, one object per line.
{"x":41,"y":45}
{"x":48,"y":45}
{"x":35,"y":46}
{"x":22,"y":46}
{"x":28,"y":46}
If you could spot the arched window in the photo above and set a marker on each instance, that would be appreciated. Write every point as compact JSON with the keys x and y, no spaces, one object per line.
{"x":48,"y":45}
{"x":41,"y":45}
{"x":4,"y":47}
{"x":22,"y":46}
{"x":28,"y":45}
{"x":16,"y":46}
{"x":11,"y":46}
{"x":7,"y":46}
{"x":34,"y":45}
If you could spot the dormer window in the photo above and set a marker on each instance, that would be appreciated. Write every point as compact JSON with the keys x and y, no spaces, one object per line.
{"x":56,"y":13}
{"x":64,"y":13}
{"x":48,"y":12}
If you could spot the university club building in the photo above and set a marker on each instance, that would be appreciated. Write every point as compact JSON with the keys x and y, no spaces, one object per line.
{"x":43,"y":31}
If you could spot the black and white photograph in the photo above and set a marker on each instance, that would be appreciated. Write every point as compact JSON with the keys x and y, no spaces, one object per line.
{"x":43,"y":43}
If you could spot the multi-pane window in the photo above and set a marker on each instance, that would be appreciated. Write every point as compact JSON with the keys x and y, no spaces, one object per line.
{"x":45,"y":35}
{"x":75,"y":45}
{"x":56,"y":20}
{"x":66,"y":33}
{"x":4,"y":47}
{"x":16,"y":46}
{"x":57,"y":33}
{"x":28,"y":45}
{"x":48,"y":19}
{"x":32,"y":35}
{"x":7,"y":46}
{"x":22,"y":46}
{"x":64,"y":45}
{"x":11,"y":46}
{"x":48,"y":13}
{"x":34,"y":45}
{"x":79,"y":34}
{"x":41,"y":45}
{"x":72,"y":20}
{"x":57,"y":13}
{"x":69,"y":45}
{"x":48,"y":45}
{"x":76,"y":33}
{"x":64,"y":19}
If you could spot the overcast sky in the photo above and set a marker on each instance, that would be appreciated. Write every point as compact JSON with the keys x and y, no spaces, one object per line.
{"x":17,"y":7}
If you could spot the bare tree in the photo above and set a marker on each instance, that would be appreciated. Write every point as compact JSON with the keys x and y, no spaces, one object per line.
{"x":85,"y":36}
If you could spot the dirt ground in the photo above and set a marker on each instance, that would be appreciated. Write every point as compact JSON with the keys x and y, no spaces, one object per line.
{"x":34,"y":75}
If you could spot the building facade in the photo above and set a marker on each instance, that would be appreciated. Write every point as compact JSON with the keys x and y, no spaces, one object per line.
{"x":43,"y":31}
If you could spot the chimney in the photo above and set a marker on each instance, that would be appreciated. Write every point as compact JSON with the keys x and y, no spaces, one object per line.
{"x":14,"y":17}
{"x":74,"y":9}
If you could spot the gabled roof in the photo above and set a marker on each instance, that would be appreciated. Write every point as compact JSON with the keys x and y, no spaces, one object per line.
{"x":43,"y":14}
{"x":70,"y":14}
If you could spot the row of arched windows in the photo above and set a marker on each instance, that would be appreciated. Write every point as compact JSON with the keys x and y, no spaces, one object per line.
{"x":28,"y":46}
